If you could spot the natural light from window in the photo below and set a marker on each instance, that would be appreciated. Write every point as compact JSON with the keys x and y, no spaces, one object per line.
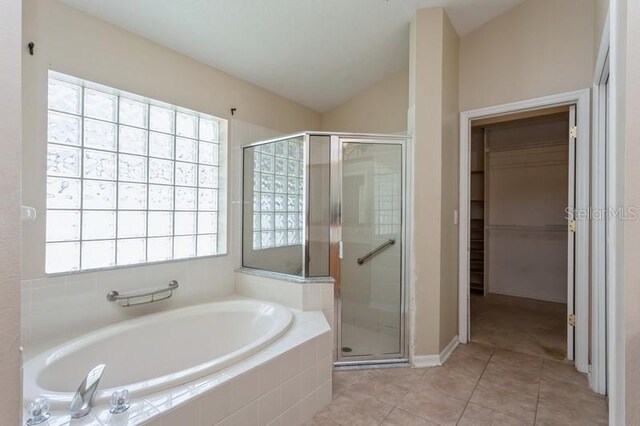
{"x":129,"y":180}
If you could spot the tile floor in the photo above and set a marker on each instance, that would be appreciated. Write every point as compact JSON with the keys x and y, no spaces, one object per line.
{"x":519,"y":324}
{"x":478,"y":385}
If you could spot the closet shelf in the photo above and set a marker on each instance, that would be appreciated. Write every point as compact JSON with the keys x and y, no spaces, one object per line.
{"x":534,"y":145}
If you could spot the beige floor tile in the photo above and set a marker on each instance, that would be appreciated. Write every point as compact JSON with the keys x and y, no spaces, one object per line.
{"x":434,"y":406}
{"x":523,"y":325}
{"x":461,"y":364}
{"x":475,"y":415}
{"x":517,"y":359}
{"x":400,"y":417}
{"x":552,"y":413}
{"x":402,"y":374}
{"x":385,"y":387}
{"x":450,"y":382}
{"x":504,"y":400}
{"x":563,"y":371}
{"x":356,"y":409}
{"x":342,"y":379}
{"x":318,"y":420}
{"x":504,"y":388}
{"x":518,"y":379}
{"x":565,"y":393}
{"x":475,"y":350}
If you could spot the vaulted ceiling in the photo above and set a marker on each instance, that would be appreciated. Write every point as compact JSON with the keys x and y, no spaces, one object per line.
{"x":316,"y":53}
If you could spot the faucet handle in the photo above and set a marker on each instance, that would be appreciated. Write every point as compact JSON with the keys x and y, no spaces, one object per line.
{"x":119,"y":401}
{"x":39,"y":411}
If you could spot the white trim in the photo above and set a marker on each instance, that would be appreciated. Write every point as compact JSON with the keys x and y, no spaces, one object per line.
{"x":581,"y":99}
{"x":448,"y":350}
{"x":599,"y":252}
{"x":423,"y":361}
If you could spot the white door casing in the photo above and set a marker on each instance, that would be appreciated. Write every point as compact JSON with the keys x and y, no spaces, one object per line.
{"x":581,"y":100}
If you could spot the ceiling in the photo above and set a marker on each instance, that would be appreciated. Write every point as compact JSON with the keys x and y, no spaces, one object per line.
{"x":318,"y":53}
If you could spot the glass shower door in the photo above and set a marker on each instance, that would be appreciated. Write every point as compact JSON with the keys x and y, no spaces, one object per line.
{"x":371,"y":323}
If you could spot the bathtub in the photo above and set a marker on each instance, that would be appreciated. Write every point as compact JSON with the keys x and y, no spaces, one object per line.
{"x":158,"y":351}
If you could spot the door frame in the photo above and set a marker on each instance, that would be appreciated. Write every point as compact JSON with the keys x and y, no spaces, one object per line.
{"x":337,"y":141}
{"x":581,"y":99}
{"x":603,"y":236}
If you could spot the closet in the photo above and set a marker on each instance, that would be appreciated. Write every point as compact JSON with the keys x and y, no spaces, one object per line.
{"x":518,"y":240}
{"x":519,"y":191}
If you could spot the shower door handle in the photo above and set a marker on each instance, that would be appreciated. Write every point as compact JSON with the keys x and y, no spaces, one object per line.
{"x":340,"y":250}
{"x":375,"y":251}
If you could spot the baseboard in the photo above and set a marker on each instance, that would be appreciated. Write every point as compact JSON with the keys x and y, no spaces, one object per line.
{"x":528,"y":296}
{"x":423,"y":361}
{"x":447,"y":351}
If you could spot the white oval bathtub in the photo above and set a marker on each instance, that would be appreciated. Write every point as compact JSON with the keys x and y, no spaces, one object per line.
{"x":156,"y":352}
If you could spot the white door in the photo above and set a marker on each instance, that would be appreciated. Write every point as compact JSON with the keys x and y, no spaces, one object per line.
{"x":571,"y":235}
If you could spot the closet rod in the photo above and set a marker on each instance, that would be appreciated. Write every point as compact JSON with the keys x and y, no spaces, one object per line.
{"x":528,"y":228}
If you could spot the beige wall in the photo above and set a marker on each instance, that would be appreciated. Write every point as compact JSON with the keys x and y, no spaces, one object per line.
{"x":10,"y":146}
{"x":450,"y":185}
{"x":381,"y":108}
{"x":600,"y":16}
{"x":76,"y":43}
{"x":538,"y":48}
{"x":433,"y":121}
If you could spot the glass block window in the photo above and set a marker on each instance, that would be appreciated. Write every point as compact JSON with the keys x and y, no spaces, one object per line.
{"x":387,"y":201}
{"x":278,"y":194}
{"x":129,"y":180}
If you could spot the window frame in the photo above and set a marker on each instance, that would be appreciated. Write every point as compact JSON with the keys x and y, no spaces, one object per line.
{"x":220,"y":209}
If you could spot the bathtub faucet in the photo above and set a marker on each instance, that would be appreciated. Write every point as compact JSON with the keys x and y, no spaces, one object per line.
{"x":83,"y":399}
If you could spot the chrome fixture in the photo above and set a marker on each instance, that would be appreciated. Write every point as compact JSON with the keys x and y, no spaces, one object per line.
{"x":83,"y":399}
{"x":39,"y":412}
{"x":119,"y":401}
{"x":376,"y":250}
{"x":133,"y":299}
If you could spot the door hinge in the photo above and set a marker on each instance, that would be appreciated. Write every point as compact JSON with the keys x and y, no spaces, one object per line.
{"x":340,"y":250}
{"x":573,"y":132}
{"x":572,"y":225}
{"x":571,"y":320}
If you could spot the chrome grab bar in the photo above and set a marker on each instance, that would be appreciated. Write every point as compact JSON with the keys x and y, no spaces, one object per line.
{"x":148,"y":296}
{"x":375,"y":251}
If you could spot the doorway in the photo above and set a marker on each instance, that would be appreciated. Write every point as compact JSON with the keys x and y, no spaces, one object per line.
{"x":522,"y":183}
{"x":576,"y":319}
{"x":369,"y":263}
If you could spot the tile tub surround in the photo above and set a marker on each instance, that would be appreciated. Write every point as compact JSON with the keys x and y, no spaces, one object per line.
{"x":304,"y":294}
{"x":57,"y":308}
{"x":285,"y":384}
{"x":477,"y":385}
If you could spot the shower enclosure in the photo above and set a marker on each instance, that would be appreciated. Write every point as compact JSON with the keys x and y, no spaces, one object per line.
{"x":332,"y":205}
